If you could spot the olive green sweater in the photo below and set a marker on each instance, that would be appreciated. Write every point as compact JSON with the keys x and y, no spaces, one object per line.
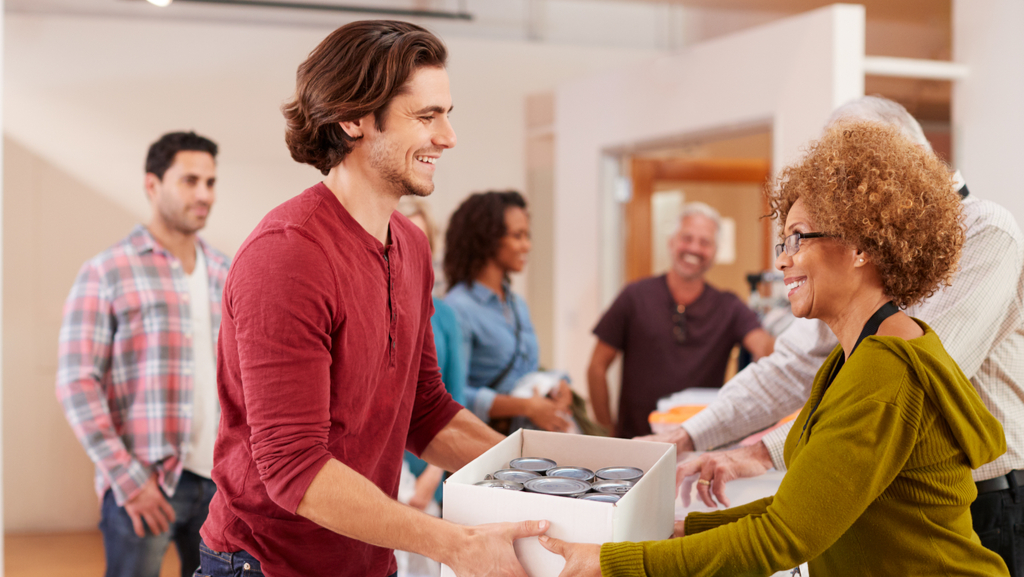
{"x":879,"y":483}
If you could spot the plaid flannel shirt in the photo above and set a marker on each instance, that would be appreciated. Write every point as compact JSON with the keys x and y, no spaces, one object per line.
{"x":125,"y":371}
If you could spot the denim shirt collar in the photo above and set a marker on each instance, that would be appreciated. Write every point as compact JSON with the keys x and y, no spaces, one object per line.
{"x":485,"y":296}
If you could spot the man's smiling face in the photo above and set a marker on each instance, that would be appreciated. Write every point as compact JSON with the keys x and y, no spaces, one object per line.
{"x":416,"y":130}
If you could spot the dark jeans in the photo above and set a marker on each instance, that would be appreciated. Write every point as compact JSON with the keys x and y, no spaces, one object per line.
{"x":998,"y":519}
{"x":217,"y":564}
{"x":237,"y":564}
{"x":129,"y":555}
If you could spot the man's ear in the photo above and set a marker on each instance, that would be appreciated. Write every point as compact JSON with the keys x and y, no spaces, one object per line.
{"x":355,"y":129}
{"x":150,"y":184}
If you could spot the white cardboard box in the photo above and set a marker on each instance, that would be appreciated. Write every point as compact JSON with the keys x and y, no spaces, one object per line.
{"x":645,"y":513}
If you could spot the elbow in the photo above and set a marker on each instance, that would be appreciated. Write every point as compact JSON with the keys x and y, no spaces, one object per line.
{"x":287,"y":463}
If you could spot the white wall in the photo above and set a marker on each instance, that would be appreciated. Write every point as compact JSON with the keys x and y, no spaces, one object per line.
{"x":788,"y":75}
{"x":2,"y":15}
{"x":988,"y":106}
{"x":85,"y":96}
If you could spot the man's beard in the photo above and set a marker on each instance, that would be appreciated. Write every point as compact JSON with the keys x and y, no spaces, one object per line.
{"x":180,"y":222}
{"x":400,"y":184}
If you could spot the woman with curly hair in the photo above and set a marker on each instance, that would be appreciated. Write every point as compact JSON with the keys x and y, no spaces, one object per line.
{"x":879,"y":460}
{"x":487,"y":239}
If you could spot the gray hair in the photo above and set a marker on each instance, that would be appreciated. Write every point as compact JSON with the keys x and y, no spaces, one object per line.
{"x":701,"y":209}
{"x":878,"y":109}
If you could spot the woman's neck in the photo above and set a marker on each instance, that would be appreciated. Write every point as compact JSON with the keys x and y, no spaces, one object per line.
{"x":492,"y":276}
{"x":848,"y":323}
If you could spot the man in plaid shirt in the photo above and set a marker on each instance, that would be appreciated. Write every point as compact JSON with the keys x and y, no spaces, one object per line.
{"x":137,"y":376}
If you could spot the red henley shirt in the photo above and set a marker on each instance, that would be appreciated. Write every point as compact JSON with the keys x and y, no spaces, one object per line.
{"x":325,"y":351}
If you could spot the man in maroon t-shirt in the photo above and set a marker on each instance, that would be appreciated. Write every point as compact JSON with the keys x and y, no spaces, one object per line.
{"x":675,"y":330}
{"x":326,"y":363}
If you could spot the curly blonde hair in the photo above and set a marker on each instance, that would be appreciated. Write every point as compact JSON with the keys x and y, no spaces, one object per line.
{"x":870,"y":187}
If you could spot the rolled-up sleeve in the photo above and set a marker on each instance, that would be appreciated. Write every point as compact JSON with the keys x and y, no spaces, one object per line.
{"x":283,"y":309}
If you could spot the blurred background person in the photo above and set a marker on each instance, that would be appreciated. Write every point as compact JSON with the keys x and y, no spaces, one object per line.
{"x":137,"y":372}
{"x":675,"y":331}
{"x":880,"y":458}
{"x":488,"y":238}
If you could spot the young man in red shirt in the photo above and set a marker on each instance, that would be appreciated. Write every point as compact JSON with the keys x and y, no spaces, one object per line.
{"x":327,"y":370}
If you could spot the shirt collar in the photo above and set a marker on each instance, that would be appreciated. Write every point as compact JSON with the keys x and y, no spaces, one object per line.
{"x":483,"y":294}
{"x":141,"y":240}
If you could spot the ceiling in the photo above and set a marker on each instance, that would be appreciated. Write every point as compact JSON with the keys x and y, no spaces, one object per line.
{"x":486,"y":12}
{"x":905,"y":28}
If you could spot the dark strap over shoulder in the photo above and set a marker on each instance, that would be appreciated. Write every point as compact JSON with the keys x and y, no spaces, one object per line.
{"x":870,"y":328}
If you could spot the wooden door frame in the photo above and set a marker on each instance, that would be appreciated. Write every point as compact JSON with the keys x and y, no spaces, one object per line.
{"x":645,"y":172}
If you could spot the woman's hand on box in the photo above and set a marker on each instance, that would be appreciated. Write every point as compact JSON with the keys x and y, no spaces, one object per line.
{"x":581,"y":559}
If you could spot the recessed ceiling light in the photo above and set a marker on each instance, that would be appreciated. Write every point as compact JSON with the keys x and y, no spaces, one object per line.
{"x":160,"y":3}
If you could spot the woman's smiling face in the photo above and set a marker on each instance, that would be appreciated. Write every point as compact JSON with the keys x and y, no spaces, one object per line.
{"x":819,"y":276}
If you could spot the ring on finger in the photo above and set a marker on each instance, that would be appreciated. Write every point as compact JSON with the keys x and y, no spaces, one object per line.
{"x":703,"y":482}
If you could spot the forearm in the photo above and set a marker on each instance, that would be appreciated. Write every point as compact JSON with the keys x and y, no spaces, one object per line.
{"x":428,"y":481}
{"x":88,"y":413}
{"x":347,"y":503}
{"x":463,"y":439}
{"x":597,"y":383}
{"x":765,"y":391}
{"x":507,"y":406}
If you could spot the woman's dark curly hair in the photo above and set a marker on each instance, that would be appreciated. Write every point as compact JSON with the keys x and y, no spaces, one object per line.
{"x":475,"y":232}
{"x":869,"y":186}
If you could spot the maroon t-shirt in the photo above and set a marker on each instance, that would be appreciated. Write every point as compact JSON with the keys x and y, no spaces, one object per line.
{"x":325,"y":351}
{"x":639,"y":323}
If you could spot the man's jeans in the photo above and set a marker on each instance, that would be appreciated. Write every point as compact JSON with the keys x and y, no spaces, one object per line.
{"x":237,"y":564}
{"x":216,"y":564}
{"x":129,"y":555}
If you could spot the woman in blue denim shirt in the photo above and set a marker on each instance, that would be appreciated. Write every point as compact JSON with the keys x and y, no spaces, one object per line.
{"x":488,"y":238}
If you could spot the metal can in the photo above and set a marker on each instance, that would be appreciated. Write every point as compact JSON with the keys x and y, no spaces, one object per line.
{"x":581,"y":473}
{"x":620,"y":473}
{"x":499,"y":484}
{"x":560,"y":486}
{"x":615,"y":486}
{"x":535,"y":464}
{"x":601,"y":497}
{"x":517,"y":475}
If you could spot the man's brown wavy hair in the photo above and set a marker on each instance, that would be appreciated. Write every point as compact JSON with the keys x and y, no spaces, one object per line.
{"x":357,"y":70}
{"x":872,"y":188}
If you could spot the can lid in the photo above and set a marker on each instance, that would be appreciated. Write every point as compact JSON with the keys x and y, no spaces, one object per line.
{"x":557,"y":486}
{"x":517,"y":475}
{"x":620,"y":473}
{"x":535,"y":464}
{"x":602,"y":497}
{"x":617,"y":486}
{"x":499,"y":484}
{"x":581,"y":473}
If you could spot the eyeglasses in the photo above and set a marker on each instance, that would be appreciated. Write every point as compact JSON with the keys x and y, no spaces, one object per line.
{"x":679,"y":324}
{"x":791,"y":244}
